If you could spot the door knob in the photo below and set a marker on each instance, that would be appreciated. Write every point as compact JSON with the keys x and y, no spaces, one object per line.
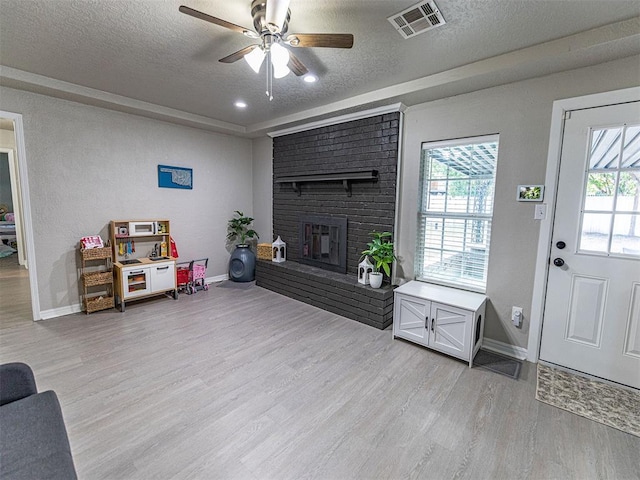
{"x":561,"y":244}
{"x":558,"y":262}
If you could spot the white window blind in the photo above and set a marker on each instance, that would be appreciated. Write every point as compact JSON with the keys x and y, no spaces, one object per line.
{"x":455,"y":209}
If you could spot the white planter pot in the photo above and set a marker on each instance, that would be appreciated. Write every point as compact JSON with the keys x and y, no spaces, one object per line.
{"x":375,"y":278}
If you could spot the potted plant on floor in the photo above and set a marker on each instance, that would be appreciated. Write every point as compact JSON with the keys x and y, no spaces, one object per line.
{"x":242,"y":264}
{"x":381,"y":252}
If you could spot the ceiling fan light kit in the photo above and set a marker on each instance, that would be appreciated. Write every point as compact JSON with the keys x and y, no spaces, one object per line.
{"x":271,"y":21}
{"x":255,"y":59}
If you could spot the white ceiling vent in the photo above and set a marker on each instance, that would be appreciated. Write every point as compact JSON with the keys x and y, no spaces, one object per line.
{"x":417,"y":19}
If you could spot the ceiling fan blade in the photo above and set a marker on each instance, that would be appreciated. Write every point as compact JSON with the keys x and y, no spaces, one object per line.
{"x":217,"y":21}
{"x":330,"y":40}
{"x":276,"y":14}
{"x":296,"y":66}
{"x":234,"y":57}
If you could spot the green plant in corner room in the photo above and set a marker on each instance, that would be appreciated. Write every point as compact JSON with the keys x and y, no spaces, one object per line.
{"x":239,"y":228}
{"x":381,"y":251}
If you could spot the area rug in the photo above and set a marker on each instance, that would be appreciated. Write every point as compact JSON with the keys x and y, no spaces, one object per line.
{"x":498,"y":363}
{"x":613,"y":406}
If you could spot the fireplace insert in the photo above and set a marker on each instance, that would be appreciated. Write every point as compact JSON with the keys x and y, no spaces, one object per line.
{"x":323,"y":242}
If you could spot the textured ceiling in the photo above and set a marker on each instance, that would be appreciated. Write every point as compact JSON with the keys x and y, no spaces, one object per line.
{"x":146,"y":50}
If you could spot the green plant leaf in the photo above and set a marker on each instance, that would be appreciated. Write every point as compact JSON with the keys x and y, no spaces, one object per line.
{"x":238,"y":228}
{"x":381,"y":251}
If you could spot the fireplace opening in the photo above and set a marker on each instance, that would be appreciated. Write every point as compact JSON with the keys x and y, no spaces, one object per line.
{"x":323,"y":242}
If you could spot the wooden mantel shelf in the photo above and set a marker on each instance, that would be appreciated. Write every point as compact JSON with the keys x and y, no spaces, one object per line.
{"x":345,"y":177}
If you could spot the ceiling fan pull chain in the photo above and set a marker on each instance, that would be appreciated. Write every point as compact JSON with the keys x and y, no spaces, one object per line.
{"x":269,"y":76}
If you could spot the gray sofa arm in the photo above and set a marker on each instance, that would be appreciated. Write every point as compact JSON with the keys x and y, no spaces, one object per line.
{"x":16,"y":382}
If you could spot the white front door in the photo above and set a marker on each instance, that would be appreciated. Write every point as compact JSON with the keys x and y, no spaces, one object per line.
{"x":592,"y":313}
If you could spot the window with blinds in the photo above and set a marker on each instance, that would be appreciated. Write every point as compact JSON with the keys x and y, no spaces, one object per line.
{"x":455,"y":209}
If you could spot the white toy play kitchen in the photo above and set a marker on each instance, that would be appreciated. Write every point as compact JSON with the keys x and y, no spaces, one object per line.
{"x":142,"y":264}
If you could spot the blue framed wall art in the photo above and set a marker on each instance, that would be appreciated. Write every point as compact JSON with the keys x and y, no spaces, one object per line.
{"x":175,"y":177}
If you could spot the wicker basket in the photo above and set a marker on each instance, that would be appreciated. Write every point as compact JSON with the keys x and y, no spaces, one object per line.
{"x":96,"y":253}
{"x":93,"y":304}
{"x":92,"y":279}
{"x":264,"y":251}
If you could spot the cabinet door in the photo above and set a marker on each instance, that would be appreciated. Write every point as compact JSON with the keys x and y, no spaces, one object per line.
{"x":163,"y":277}
{"x":135,"y":282}
{"x":451,"y":332}
{"x":409,"y":318}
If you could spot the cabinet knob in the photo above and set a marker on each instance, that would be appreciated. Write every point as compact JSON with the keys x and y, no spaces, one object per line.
{"x":426,"y":322}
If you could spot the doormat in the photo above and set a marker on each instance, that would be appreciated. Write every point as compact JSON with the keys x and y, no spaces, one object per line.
{"x":232,"y":284}
{"x":613,"y":406}
{"x":498,"y":363}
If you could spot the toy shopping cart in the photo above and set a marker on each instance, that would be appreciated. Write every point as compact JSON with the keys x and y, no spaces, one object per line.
{"x":183,"y":276}
{"x":198,"y":274}
{"x":191,"y":275}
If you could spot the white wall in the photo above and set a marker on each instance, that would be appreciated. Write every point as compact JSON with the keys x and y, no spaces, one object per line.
{"x":521,"y":114}
{"x":263,"y":188}
{"x":89,"y":165}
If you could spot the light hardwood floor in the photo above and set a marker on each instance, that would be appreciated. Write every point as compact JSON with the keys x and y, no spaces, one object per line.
{"x":15,"y":298}
{"x":248,"y":384}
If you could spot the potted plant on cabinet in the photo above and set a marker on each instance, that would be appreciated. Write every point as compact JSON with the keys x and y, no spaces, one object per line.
{"x":381,"y":252}
{"x":242,"y":264}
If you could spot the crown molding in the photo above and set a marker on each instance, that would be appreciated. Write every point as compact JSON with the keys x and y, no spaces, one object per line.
{"x":19,"y":79}
{"x":372,"y":112}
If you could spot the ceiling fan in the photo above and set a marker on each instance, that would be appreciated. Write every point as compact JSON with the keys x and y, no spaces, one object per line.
{"x":271,"y":21}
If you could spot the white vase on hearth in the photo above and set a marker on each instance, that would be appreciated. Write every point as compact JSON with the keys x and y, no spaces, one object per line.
{"x":375,"y":279}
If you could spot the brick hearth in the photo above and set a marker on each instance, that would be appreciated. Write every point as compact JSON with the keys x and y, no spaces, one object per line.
{"x":335,"y":292}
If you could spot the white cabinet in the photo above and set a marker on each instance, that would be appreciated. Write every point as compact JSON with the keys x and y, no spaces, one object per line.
{"x":163,"y":277}
{"x":442,"y":318}
{"x":144,"y":278}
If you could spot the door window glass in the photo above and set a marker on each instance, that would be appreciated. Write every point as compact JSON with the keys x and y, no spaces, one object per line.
{"x":610,"y":223}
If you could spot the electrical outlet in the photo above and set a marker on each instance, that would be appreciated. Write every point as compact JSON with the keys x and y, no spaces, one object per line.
{"x":516,"y":316}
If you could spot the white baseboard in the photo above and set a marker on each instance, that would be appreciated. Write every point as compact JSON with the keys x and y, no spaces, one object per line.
{"x":60,"y":312}
{"x":217,"y":279}
{"x":504,"y":348}
{"x":77,"y":308}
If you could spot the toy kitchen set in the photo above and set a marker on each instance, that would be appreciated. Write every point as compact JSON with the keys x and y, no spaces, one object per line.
{"x":142,"y":260}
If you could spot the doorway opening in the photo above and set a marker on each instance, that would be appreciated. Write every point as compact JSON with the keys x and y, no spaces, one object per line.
{"x":18,"y":281}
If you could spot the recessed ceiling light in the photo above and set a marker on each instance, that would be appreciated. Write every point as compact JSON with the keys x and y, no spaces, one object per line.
{"x":310,"y":78}
{"x":240,"y":104}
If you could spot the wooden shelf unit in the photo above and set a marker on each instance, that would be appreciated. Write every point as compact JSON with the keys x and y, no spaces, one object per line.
{"x":144,"y":232}
{"x":97,"y":279}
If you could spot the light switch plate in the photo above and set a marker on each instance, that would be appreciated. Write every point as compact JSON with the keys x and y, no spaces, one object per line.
{"x":540,"y":212}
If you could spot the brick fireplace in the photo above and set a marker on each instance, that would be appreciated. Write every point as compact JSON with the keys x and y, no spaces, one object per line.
{"x":345,"y":172}
{"x":323,"y":242}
